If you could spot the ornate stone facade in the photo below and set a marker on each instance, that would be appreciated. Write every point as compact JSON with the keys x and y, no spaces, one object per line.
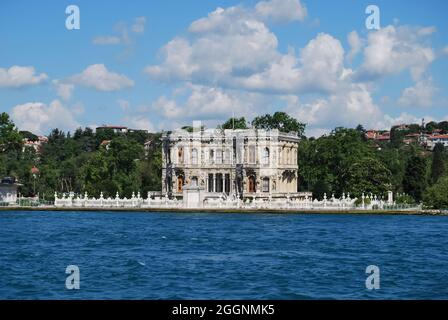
{"x":240,"y":163}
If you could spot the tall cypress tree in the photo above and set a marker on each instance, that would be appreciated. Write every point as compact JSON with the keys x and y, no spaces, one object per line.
{"x":438,"y":163}
{"x":414,"y":180}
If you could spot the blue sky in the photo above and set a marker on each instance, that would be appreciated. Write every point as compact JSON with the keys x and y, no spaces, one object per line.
{"x":162,"y":64}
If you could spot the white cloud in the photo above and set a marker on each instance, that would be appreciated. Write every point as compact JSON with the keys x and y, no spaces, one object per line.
{"x":282,"y":10}
{"x":347,"y":108}
{"x":139,"y":25}
{"x":64,"y":90}
{"x":355,"y":43}
{"x":40,"y":118}
{"x":392,"y":49}
{"x":419,"y":95}
{"x":226,"y":45}
{"x":122,"y":34}
{"x":246,"y":57}
{"x":139,"y":122}
{"x":197,"y":102}
{"x":98,"y":77}
{"x":320,"y":69}
{"x":18,"y":76}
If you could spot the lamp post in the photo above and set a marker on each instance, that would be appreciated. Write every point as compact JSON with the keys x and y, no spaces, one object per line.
{"x":34,"y":171}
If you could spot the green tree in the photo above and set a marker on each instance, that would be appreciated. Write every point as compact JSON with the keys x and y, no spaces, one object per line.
{"x":414,"y":181}
{"x":438,"y":162}
{"x":281,"y":121}
{"x":10,"y":138}
{"x":436,"y":197}
{"x":235,"y":123}
{"x":367,"y":175}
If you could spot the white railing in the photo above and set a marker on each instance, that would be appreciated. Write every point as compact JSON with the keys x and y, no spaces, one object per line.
{"x":333,"y":204}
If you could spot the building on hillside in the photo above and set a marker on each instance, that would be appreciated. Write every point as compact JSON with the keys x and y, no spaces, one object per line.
{"x":432,"y":140}
{"x":380,"y":136}
{"x":8,"y":190}
{"x":115,"y":129}
{"x":35,"y":144}
{"x":231,"y":163}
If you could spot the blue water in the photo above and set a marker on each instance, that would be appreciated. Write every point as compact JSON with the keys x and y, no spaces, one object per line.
{"x":221,"y":256}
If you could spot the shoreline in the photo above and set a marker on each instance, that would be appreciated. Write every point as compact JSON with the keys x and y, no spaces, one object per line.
{"x":222,"y":210}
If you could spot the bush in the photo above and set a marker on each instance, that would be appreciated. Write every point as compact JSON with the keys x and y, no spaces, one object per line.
{"x":404,"y":199}
{"x":436,"y":197}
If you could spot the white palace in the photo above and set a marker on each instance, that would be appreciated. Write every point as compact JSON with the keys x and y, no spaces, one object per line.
{"x":249,"y":169}
{"x":237,"y":163}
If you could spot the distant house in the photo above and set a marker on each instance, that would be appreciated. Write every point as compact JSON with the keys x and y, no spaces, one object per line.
{"x":105,"y":144}
{"x":35,"y":144}
{"x":380,"y":136}
{"x":115,"y":129}
{"x":8,"y":190}
{"x":435,"y":139}
{"x":147,"y":146}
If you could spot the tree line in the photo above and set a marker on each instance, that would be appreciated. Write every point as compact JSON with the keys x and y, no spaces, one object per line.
{"x":343,"y":161}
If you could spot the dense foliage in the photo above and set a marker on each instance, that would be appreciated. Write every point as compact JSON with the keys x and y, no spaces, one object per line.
{"x":343,"y":161}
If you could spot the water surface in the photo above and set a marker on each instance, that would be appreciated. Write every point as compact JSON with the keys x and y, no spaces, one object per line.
{"x":124,"y":255}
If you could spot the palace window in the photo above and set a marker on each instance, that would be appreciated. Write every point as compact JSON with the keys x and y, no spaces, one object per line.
{"x":210,"y":182}
{"x":180,"y":155}
{"x":227,"y":156}
{"x":194,"y":157}
{"x":251,"y":154}
{"x":219,"y":182}
{"x":265,"y":156}
{"x":251,"y":186}
{"x":265,"y":184}
{"x":218,"y":156}
{"x":211,"y":156}
{"x":227,"y":183}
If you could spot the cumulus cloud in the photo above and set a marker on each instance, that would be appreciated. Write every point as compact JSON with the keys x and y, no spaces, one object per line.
{"x":282,"y":10}
{"x":223,"y":47}
{"x":64,"y":90}
{"x":348,"y":108}
{"x":203,"y":102}
{"x":419,"y":95}
{"x":98,"y":77}
{"x":230,"y":58}
{"x":40,"y":118}
{"x":233,"y":50}
{"x":392,"y":50}
{"x":355,"y":43}
{"x":19,"y":76}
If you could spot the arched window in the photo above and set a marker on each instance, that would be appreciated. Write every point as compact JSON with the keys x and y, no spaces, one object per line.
{"x":251,"y":184}
{"x":194,"y":157}
{"x":180,"y":183}
{"x":265,"y":156}
{"x":194,"y":181}
{"x":180,"y":154}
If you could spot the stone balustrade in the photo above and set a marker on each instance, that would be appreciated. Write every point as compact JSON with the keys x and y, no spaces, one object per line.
{"x":369,"y":202}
